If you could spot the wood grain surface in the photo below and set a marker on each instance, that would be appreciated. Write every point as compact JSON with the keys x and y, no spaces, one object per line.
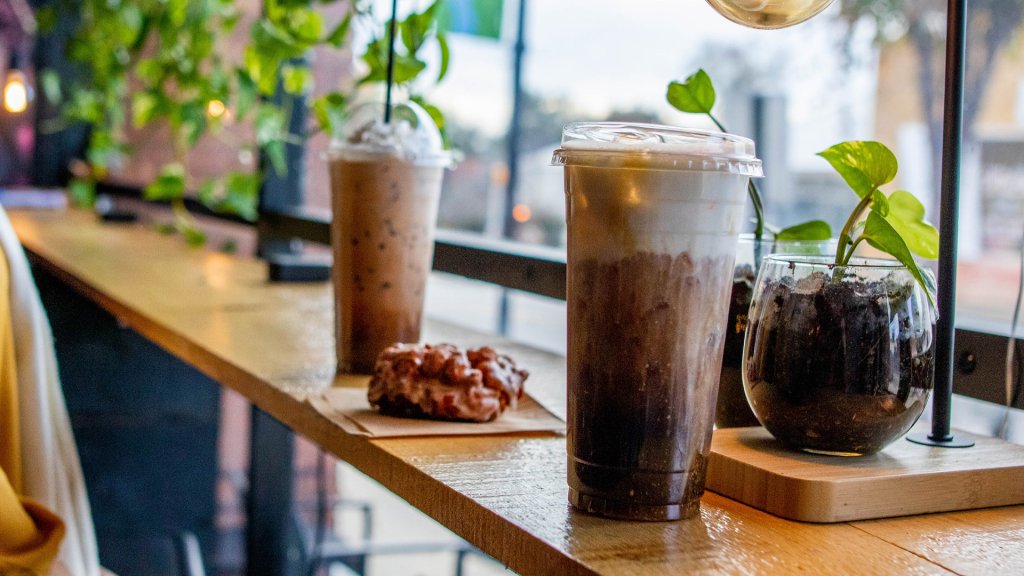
{"x":504,"y":494}
{"x":977,"y":542}
{"x":906,"y":478}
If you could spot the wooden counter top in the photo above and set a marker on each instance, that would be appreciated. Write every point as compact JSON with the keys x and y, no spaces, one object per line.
{"x":506,"y":495}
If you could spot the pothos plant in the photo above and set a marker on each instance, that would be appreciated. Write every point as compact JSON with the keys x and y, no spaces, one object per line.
{"x":152,"y":62}
{"x":894,"y":224}
{"x":696,"y":95}
{"x":286,"y":33}
{"x":156,"y":61}
{"x":413,"y":35}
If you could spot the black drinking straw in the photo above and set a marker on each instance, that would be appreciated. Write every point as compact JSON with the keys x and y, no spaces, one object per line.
{"x":391,"y":61}
{"x":956,"y":30}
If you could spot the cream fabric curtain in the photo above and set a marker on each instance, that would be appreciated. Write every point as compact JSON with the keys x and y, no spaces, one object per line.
{"x":51,"y":472}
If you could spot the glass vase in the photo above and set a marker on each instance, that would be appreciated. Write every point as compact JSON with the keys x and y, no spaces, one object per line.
{"x":732,"y":409}
{"x":838,"y":360}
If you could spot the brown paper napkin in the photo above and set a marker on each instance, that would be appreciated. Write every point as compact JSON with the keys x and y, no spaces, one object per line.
{"x":349,"y":409}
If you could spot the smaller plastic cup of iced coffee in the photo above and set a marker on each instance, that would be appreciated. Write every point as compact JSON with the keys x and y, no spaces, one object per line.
{"x":654,"y":214}
{"x":385,"y":188}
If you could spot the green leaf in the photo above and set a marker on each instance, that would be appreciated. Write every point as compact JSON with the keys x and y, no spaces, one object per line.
{"x":229,"y":246}
{"x":208,"y":193}
{"x":864,"y":165}
{"x":297,"y":79}
{"x":275,"y":150}
{"x":375,"y":57}
{"x":144,"y":107}
{"x":408,"y":32}
{"x":150,"y":71}
{"x":263,"y":63}
{"x":269,"y":123}
{"x":103,"y":150}
{"x":246,"y":92}
{"x":879,"y":203}
{"x":49,"y":80}
{"x":811,"y":230}
{"x":442,"y":42}
{"x":46,"y":18}
{"x":329,"y":111}
{"x":695,"y":95}
{"x":906,"y":215}
{"x":83,"y":192}
{"x":269,"y":48}
{"x":407,"y":68}
{"x":169,"y":185}
{"x":230,"y":19}
{"x":241,"y":191}
{"x":177,"y":11}
{"x":337,"y":36}
{"x":305,"y":25}
{"x":193,"y":236}
{"x":433,"y":111}
{"x":193,"y":121}
{"x":217,"y":85}
{"x":131,"y":25}
{"x":880,"y":235}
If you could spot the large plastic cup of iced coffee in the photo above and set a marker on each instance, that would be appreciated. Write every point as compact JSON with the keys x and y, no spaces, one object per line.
{"x":385,"y":187}
{"x":654,"y":215}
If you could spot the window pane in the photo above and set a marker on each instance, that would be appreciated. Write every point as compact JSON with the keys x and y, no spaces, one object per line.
{"x":616,"y":64}
{"x":475,"y":97}
{"x":477,"y":100}
{"x":853,"y":73}
{"x":992,"y":178}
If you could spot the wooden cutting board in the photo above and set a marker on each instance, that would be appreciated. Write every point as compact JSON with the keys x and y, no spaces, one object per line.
{"x":749,"y":465}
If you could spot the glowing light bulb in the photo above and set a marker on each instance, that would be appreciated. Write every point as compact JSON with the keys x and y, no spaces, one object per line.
{"x":216,"y":108}
{"x":769,"y":14}
{"x":16,"y":92}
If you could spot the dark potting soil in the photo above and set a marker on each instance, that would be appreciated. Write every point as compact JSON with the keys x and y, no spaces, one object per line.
{"x":732,"y":410}
{"x":830,"y":370}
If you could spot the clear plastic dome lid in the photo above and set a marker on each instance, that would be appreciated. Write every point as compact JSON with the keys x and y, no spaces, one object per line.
{"x":656,"y":147}
{"x":411,"y":134}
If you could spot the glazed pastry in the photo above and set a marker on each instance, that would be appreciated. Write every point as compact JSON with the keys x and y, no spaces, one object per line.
{"x":446,"y":383}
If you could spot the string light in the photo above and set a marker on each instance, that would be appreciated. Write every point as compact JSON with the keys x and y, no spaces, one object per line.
{"x":17,"y":93}
{"x":216,"y":108}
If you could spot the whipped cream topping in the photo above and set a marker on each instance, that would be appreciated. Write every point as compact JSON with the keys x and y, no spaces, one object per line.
{"x":415,"y":139}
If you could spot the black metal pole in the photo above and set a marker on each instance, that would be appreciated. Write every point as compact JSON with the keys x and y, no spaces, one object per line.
{"x":269,"y":551}
{"x":514,"y":130}
{"x":391,"y":61}
{"x":952,"y":138}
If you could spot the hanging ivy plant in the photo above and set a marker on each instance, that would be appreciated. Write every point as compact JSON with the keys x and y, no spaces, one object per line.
{"x":148,"y":62}
{"x":156,"y":62}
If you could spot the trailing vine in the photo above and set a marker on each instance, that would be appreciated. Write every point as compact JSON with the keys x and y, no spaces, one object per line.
{"x":156,"y":62}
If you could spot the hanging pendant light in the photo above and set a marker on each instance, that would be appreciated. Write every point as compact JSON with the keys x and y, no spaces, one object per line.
{"x":769,"y":14}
